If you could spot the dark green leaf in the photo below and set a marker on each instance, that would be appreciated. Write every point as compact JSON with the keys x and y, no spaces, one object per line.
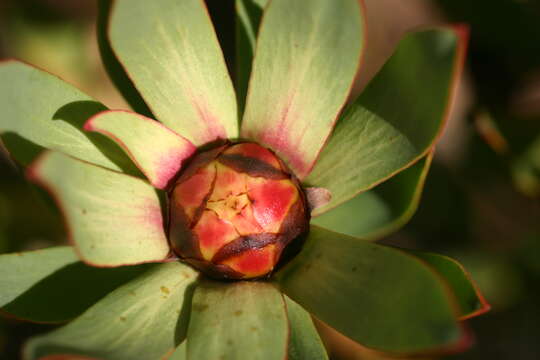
{"x":470,"y":300}
{"x":379,"y":296}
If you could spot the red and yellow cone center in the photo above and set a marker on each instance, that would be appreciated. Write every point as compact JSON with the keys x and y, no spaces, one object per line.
{"x":233,"y":211}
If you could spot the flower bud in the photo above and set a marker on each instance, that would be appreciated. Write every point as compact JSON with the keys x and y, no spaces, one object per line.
{"x":234,"y":209}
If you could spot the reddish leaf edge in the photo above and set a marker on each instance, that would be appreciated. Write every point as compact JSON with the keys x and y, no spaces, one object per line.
{"x":466,"y":338}
{"x":33,"y":175}
{"x":484,"y":305}
{"x":157,"y":183}
{"x":296,"y":158}
{"x":462,"y":32}
{"x":359,"y":68}
{"x":462,"y":344}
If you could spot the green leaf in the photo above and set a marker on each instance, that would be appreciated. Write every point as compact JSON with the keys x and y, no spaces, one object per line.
{"x":248,"y":18}
{"x":172,"y":54}
{"x":40,"y":110}
{"x":114,"y":219}
{"x":378,"y":212}
{"x":304,"y":67}
{"x":235,"y":320}
{"x":158,"y":152}
{"x":304,"y":341}
{"x":378,"y":296}
{"x":397,"y":118}
{"x":470,"y":299}
{"x":114,"y":69}
{"x":144,"y":319}
{"x":64,"y":287}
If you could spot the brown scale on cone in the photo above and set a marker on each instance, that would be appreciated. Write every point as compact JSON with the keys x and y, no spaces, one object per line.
{"x":233,"y":211}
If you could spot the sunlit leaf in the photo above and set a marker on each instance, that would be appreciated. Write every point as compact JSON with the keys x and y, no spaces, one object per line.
{"x":157,"y":151}
{"x":237,"y":320}
{"x":144,"y":319}
{"x":304,"y":67}
{"x":397,"y":118}
{"x":171,"y":53}
{"x":113,"y":219}
{"x":41,"y":111}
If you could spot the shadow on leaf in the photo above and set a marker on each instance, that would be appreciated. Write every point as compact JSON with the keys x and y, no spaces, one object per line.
{"x":76,"y":114}
{"x":69,"y":291}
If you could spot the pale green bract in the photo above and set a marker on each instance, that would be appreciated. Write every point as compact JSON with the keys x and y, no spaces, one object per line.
{"x":114,"y":219}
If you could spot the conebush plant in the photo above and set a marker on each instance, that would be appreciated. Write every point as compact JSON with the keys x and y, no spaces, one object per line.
{"x":216,"y":218}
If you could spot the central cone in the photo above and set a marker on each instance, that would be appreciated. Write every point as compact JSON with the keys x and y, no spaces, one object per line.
{"x":233,"y":211}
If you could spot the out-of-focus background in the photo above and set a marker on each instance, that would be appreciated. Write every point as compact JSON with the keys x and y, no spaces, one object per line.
{"x":481,"y":200}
